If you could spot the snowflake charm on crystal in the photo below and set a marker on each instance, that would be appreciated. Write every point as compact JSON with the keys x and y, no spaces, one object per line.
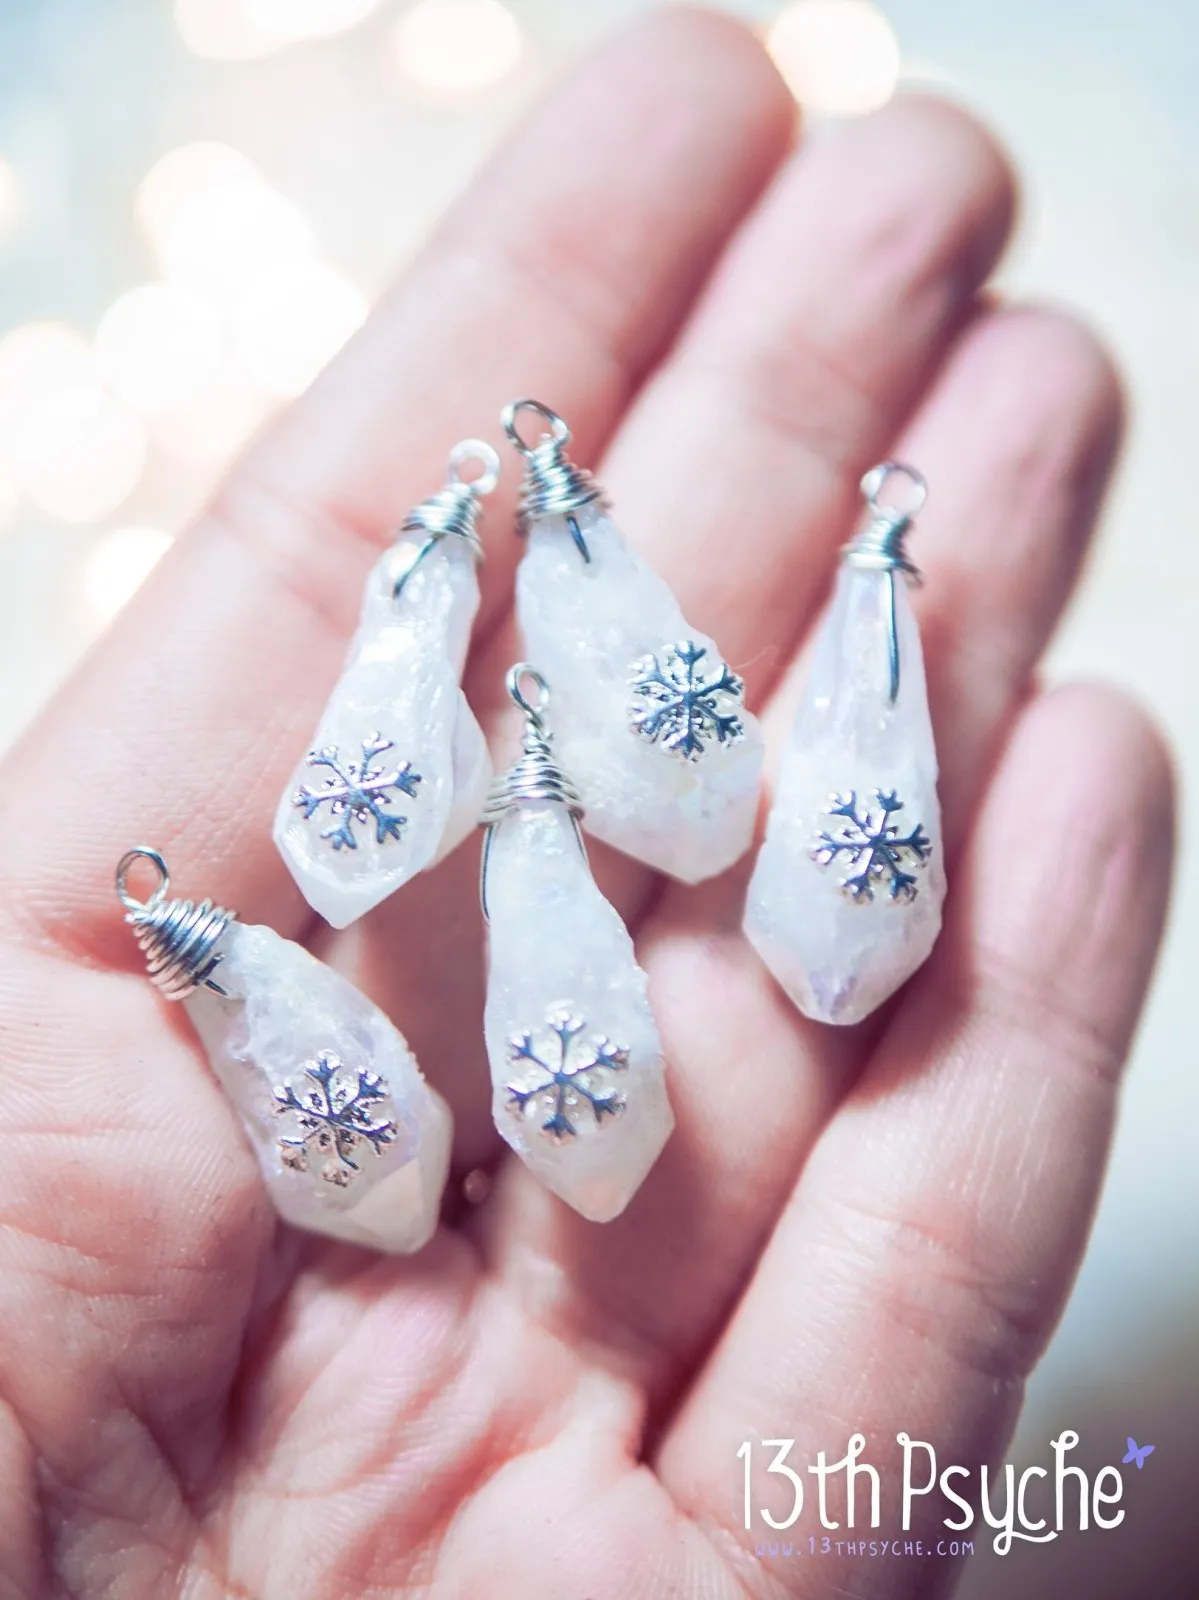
{"x":587,"y":1114}
{"x":357,"y":792}
{"x":350,"y":1139}
{"x":872,"y":848}
{"x":650,"y":721}
{"x":574,"y":1082}
{"x":332,"y":1119}
{"x":845,"y":899}
{"x":678,"y":704}
{"x":399,"y":767}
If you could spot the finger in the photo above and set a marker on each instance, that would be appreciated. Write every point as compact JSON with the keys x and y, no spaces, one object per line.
{"x":734,"y":470}
{"x":566,"y":268}
{"x":1018,"y":436}
{"x":818,"y":334}
{"x":1019,"y":442}
{"x":927,"y":1250}
{"x":564,"y":271}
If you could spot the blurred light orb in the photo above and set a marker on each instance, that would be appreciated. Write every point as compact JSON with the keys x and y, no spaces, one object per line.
{"x":118,"y":565}
{"x":838,"y":57}
{"x":82,"y":454}
{"x":187,"y":170}
{"x":222,"y":235}
{"x":157,"y":346}
{"x":291,"y":21}
{"x":12,"y":198}
{"x":211,"y":427}
{"x":222,"y":30}
{"x":292,"y":321}
{"x":76,"y":451}
{"x":39,"y":362}
{"x":455,"y":46}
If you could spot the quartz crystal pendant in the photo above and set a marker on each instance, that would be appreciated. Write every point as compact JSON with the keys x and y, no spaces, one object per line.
{"x":399,"y":767}
{"x":350,"y":1139}
{"x":649,"y":720}
{"x":845,"y":899}
{"x":576,"y":1062}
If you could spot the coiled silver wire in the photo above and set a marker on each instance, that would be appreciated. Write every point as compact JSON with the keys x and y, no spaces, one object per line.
{"x":177,"y":937}
{"x":453,"y":512}
{"x":554,"y":485}
{"x":534,"y":778}
{"x":881,"y":545}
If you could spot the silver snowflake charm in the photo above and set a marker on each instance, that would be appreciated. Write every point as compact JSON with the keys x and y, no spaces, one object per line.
{"x":683,"y":707}
{"x":357,"y":791}
{"x":566,"y":1075}
{"x":334,"y":1113}
{"x":872,"y":848}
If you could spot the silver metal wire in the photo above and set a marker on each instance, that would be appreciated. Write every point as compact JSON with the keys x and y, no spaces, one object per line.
{"x":881,"y":545}
{"x":454,"y":511}
{"x":177,"y":937}
{"x":535,"y":778}
{"x":554,"y":485}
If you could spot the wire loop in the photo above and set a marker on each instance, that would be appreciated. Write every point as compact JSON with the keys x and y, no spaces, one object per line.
{"x":554,"y":485}
{"x":178,"y":938}
{"x":535,"y":778}
{"x":881,"y":545}
{"x":454,"y":510}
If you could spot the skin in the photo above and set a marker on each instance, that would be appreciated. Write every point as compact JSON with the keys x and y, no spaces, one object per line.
{"x":869,"y":1229}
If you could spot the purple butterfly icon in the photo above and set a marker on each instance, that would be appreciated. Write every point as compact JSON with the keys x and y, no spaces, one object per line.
{"x":1138,"y":1452}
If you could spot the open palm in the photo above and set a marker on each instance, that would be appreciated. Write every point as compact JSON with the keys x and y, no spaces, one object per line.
{"x":869,"y":1229}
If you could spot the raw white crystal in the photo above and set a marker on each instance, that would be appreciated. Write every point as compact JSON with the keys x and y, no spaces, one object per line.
{"x":556,"y":945}
{"x":402,"y":684}
{"x":585,"y":625}
{"x":838,"y":959}
{"x":285,"y":1010}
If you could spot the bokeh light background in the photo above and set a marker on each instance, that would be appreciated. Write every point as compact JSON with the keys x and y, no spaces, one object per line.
{"x":198,"y":200}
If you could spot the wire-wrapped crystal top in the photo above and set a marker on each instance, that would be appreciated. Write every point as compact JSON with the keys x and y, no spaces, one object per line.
{"x":454,"y":510}
{"x":536,"y":776}
{"x":881,"y":544}
{"x":179,"y":938}
{"x":554,"y":485}
{"x":534,"y":779}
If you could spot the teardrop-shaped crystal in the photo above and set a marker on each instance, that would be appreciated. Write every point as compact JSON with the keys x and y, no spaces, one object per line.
{"x":650,"y":722}
{"x":399,"y":767}
{"x":351,"y":1140}
{"x":576,"y":1062}
{"x":845,"y":899}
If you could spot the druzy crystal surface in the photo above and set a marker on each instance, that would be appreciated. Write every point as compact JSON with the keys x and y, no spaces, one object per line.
{"x":595,"y":627}
{"x":576,"y":1062}
{"x":350,"y":1139}
{"x":398,"y":768}
{"x":846,"y":895}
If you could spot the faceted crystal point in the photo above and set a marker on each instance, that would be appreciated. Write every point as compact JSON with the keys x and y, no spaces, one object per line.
{"x":351,"y":1140}
{"x":576,"y":1062}
{"x":648,"y":720}
{"x":845,"y":899}
{"x":399,"y":767}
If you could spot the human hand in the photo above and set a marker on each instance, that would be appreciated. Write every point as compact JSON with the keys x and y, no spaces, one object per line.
{"x":871,"y":1229}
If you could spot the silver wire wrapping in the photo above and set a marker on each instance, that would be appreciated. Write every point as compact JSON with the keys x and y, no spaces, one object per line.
{"x":554,"y":485}
{"x":177,"y":937}
{"x":454,"y":511}
{"x":880,"y":546}
{"x":533,"y":779}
